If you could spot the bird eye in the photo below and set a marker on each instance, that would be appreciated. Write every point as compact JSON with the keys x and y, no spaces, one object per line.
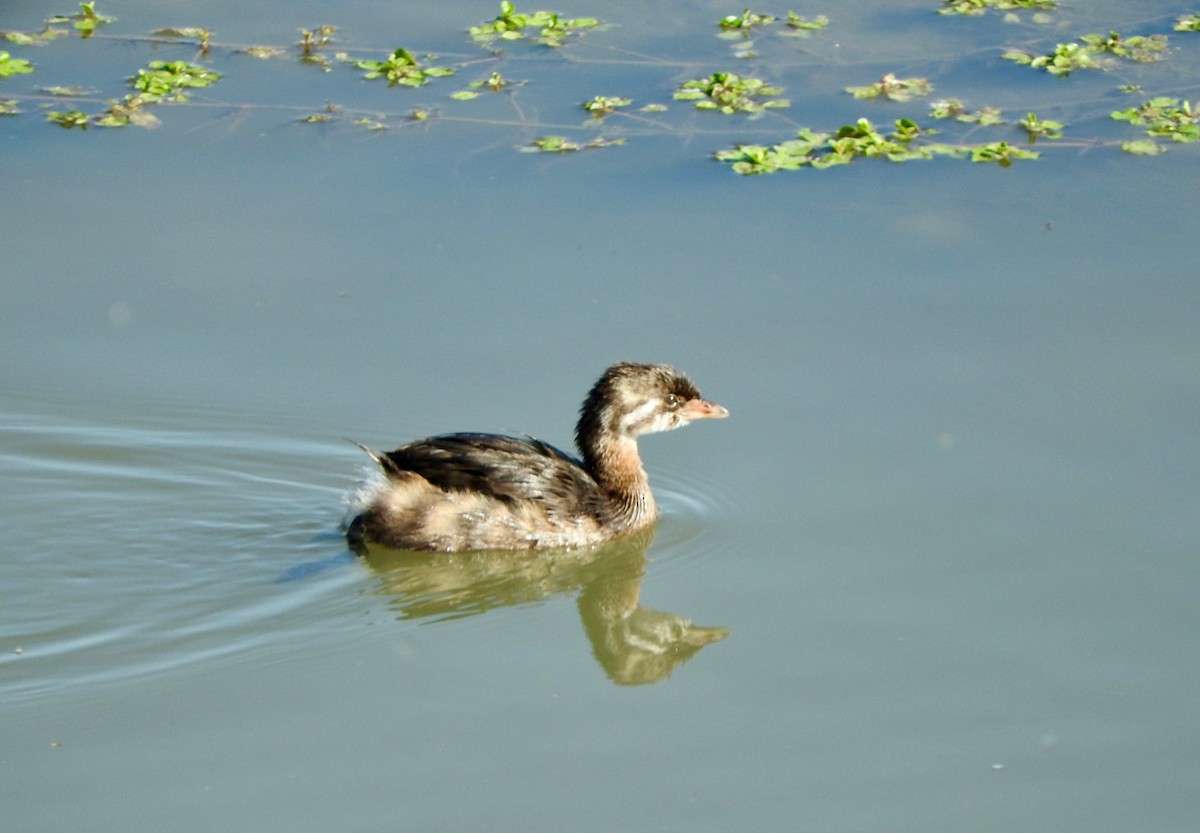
{"x":673,"y":401}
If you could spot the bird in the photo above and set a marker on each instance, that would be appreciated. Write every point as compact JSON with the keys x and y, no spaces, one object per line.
{"x":464,"y":492}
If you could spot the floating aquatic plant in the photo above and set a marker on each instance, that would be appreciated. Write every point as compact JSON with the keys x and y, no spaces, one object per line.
{"x":86,"y":21}
{"x":893,"y":88}
{"x":727,"y":92}
{"x":825,"y":150}
{"x":561,"y":144}
{"x":401,"y":68}
{"x":730,"y":93}
{"x":1164,"y":117}
{"x":605,"y":105}
{"x":801,"y":27}
{"x":952,"y":108}
{"x":1140,"y":48}
{"x":1036,"y":127}
{"x":494,"y":82}
{"x":740,"y":25}
{"x":37,"y":39}
{"x":862,"y":140}
{"x":13,"y":66}
{"x":1065,"y":59}
{"x":1069,"y":57}
{"x":69,"y":118}
{"x":202,"y":37}
{"x":167,"y":81}
{"x":978,"y":7}
{"x":510,"y":25}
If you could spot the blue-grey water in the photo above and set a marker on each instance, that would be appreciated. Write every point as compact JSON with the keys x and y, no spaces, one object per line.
{"x":952,"y":527}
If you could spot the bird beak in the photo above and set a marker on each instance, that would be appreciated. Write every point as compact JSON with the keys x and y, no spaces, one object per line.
{"x":703,"y":409}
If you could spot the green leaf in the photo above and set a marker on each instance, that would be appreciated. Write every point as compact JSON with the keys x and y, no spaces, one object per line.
{"x":13,"y":66}
{"x":1143,"y":147}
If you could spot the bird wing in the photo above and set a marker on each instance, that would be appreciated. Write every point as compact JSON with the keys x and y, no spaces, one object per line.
{"x":507,"y":468}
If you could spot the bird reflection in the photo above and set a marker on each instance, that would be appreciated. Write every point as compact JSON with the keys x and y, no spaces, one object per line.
{"x":633,"y":644}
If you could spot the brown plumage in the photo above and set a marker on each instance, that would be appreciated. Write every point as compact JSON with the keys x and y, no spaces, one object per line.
{"x":459,"y":492}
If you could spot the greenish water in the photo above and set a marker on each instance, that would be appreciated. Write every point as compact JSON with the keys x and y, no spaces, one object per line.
{"x":951,"y":526}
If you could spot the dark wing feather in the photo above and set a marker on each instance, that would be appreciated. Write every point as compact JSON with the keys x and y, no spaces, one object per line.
{"x":507,"y":468}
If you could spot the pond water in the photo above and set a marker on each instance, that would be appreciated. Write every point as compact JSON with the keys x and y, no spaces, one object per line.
{"x":937,"y":572}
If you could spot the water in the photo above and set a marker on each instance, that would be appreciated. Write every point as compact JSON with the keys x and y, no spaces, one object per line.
{"x":950,"y":527}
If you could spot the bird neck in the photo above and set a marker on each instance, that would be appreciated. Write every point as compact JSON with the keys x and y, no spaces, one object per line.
{"x":614,"y":463}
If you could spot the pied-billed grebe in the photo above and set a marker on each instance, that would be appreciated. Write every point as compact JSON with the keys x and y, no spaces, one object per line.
{"x":458,"y":492}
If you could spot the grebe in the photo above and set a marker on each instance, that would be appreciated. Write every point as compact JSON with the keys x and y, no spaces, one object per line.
{"x":459,"y":492}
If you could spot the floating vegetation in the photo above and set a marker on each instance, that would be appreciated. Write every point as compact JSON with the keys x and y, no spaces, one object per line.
{"x":604,"y":105}
{"x":403,"y":69}
{"x":1161,"y":116}
{"x":201,"y":37}
{"x":494,"y":82}
{"x":86,"y":21}
{"x":730,"y":93}
{"x":1065,"y":59}
{"x":861,"y":140}
{"x":264,"y":52}
{"x":952,"y":108}
{"x":39,"y":39}
{"x":1069,"y":57}
{"x":1140,"y":48}
{"x":739,"y":25}
{"x":1040,"y":128}
{"x":800,"y":27}
{"x":561,"y":144}
{"x":893,"y":88}
{"x":1142,"y":147}
{"x":512,"y":25}
{"x":1165,"y":117}
{"x":69,"y":118}
{"x":13,"y":66}
{"x":160,"y":81}
{"x":978,"y":7}
{"x":163,"y":81}
{"x":312,"y":41}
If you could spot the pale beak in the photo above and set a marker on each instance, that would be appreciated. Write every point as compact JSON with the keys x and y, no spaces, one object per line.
{"x":702,"y":409}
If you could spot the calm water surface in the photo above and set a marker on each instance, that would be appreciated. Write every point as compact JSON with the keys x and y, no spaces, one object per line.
{"x":938,"y":572}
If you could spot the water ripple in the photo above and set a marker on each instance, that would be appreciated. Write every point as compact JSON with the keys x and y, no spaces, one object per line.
{"x":132,"y":550}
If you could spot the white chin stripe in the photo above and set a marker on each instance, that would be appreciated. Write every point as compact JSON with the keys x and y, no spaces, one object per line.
{"x":642,"y":419}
